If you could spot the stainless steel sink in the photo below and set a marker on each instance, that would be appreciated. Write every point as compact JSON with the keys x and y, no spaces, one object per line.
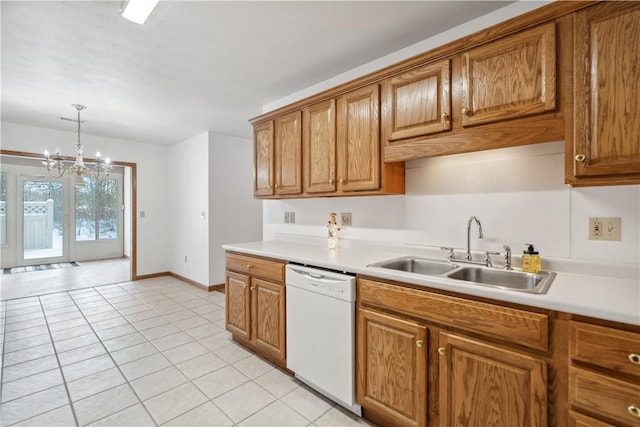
{"x":537,"y":283}
{"x":514,"y":280}
{"x":417,"y":265}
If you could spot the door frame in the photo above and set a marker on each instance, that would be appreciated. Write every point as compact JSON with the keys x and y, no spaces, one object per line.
{"x":134,"y":200}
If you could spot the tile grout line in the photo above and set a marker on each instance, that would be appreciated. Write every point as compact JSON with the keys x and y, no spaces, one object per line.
{"x":112,"y":359}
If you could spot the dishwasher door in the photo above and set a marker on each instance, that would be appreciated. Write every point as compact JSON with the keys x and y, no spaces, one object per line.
{"x":321,"y":332}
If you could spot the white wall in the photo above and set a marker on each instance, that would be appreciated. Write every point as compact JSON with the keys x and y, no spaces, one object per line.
{"x":151,"y":163}
{"x":518,"y":194}
{"x":187,"y":200}
{"x":235,"y":215}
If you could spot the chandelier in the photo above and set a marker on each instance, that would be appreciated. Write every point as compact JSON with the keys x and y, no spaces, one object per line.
{"x":58,"y":167}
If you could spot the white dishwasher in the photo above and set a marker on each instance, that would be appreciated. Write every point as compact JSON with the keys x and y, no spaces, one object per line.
{"x":321,"y":332}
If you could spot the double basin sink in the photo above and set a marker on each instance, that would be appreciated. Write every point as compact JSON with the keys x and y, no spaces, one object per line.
{"x":537,"y":283}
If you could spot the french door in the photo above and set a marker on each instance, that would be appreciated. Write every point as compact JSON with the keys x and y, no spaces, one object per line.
{"x":42,"y":220}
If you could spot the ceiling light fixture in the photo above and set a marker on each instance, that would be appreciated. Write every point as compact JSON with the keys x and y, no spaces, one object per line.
{"x":137,"y":10}
{"x":58,"y":167}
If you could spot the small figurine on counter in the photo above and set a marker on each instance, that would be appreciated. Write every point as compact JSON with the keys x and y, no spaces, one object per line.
{"x":333,"y":231}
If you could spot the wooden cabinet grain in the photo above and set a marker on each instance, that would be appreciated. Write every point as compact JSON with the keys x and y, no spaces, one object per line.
{"x":480,"y":373}
{"x":288,"y":153}
{"x":604,"y":376}
{"x":417,"y":102}
{"x":319,"y":147}
{"x":263,"y":158}
{"x":510,"y":78}
{"x":606,"y":134}
{"x":392,"y":367}
{"x":485,"y":385}
{"x":255,"y":304}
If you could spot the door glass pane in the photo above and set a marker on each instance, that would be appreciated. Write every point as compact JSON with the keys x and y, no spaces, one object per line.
{"x":97,"y":209}
{"x":42,"y":219}
{"x":3,"y":208}
{"x":108,"y":209}
{"x":86,"y":210}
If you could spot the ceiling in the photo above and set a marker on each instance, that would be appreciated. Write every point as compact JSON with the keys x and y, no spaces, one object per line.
{"x":195,"y":65}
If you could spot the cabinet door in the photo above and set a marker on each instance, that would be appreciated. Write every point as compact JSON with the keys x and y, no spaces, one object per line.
{"x":358,"y":130}
{"x":319,"y":142}
{"x":288,"y":152}
{"x":509,"y":78}
{"x":263,"y":159}
{"x":483,"y":385}
{"x":238,"y":305}
{"x":606,"y":110}
{"x":392,"y":367}
{"x":418,"y":102}
{"x":269,"y":317}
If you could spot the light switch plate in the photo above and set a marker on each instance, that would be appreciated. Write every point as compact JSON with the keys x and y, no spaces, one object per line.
{"x":601,"y":228}
{"x":345,"y":219}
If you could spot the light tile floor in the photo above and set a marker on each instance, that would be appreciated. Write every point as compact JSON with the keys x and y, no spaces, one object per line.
{"x":146,"y":353}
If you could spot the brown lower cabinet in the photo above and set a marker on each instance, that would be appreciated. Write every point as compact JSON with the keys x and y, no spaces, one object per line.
{"x":255,"y":305}
{"x":421,"y":360}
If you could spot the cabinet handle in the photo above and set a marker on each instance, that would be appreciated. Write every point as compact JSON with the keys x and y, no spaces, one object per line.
{"x":580,"y":157}
{"x":634,"y":411}
{"x":444,"y":116}
{"x":442,"y":351}
{"x":465,"y":111}
{"x":634,"y":358}
{"x":419,"y":343}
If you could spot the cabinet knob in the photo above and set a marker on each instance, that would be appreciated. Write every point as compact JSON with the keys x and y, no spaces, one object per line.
{"x":634,"y":411}
{"x":465,"y":111}
{"x":419,"y":343}
{"x":249,"y":266}
{"x":634,"y":358}
{"x":341,"y":180}
{"x":253,"y":288}
{"x":276,"y":185}
{"x":269,"y":186}
{"x":580,"y":157}
{"x":245,"y":286}
{"x":442,"y":351}
{"x":444,"y":116}
{"x":331,"y":182}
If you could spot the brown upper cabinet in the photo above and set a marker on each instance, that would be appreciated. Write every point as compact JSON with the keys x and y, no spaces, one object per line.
{"x":606,"y":132}
{"x":510,"y":78}
{"x":418,"y":102}
{"x":566,"y":71}
{"x":319,"y":147}
{"x":288,"y":153}
{"x":263,"y":158}
{"x":331,"y":148}
{"x":278,"y":156}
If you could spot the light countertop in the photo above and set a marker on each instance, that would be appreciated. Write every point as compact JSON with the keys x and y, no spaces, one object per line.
{"x":609,"y":298}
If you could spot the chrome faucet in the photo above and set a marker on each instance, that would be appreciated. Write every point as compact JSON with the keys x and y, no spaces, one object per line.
{"x":507,"y":257}
{"x":480,"y":236}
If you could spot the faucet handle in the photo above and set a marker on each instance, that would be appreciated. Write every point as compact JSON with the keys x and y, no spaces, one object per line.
{"x":487,"y":258}
{"x":444,"y":248}
{"x":507,"y":257}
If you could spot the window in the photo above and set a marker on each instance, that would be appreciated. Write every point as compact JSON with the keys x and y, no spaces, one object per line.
{"x":3,"y":208}
{"x":97,"y":209}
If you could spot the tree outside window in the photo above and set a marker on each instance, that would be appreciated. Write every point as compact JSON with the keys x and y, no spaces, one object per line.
{"x":97,"y":209}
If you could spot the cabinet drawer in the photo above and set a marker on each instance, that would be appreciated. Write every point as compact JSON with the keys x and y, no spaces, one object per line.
{"x":513,"y":325}
{"x":606,"y":347}
{"x":578,"y":420}
{"x":615,"y":399}
{"x":270,"y":269}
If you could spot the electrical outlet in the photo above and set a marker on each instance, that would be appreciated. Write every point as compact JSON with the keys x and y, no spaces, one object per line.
{"x":292,"y":217}
{"x":286,"y":217}
{"x":345,"y":219}
{"x":185,"y":258}
{"x":604,"y":229}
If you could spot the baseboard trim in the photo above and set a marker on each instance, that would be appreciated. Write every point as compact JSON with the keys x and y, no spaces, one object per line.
{"x":150,"y":276}
{"x":207,"y":288}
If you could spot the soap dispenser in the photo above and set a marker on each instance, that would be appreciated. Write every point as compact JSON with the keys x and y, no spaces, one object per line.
{"x":531,"y":262}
